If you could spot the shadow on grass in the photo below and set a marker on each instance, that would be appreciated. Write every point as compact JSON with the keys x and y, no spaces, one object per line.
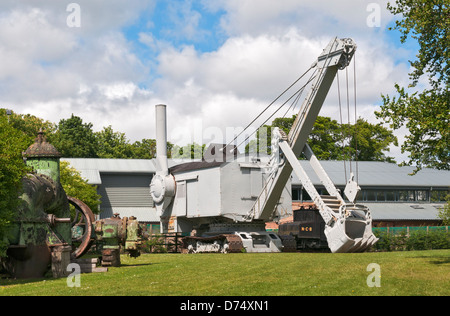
{"x":7,"y":280}
{"x":138,"y":264}
{"x":435,"y":260}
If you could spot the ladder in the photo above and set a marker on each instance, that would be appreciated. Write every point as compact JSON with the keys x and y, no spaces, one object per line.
{"x":348,"y":226}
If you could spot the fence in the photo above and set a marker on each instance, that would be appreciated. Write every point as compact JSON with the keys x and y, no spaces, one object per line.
{"x":170,"y":242}
{"x":411,"y":238}
{"x":409,"y":229}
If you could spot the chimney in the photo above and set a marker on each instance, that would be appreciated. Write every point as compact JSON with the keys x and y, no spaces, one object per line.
{"x":161,"y":140}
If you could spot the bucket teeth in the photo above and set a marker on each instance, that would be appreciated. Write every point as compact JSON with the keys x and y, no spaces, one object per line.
{"x":338,"y":235}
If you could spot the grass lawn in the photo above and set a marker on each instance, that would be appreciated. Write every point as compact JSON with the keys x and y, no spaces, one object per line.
{"x":279,"y":274}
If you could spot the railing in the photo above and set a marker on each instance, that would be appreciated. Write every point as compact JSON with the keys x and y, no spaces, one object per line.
{"x":408,"y":229}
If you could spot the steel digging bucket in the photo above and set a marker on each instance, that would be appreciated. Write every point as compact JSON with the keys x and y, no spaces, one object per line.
{"x":352,"y":231}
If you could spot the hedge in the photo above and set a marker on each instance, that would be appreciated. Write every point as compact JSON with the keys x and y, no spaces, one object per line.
{"x":416,"y":240}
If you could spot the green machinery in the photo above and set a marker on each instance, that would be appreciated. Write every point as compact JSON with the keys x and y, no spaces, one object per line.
{"x":115,"y":231}
{"x":47,"y":234}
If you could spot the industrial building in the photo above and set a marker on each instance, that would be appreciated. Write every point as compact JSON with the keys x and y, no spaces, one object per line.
{"x":394,"y":197}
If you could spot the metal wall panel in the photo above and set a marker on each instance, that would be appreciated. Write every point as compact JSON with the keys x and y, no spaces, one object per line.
{"x":125,"y":190}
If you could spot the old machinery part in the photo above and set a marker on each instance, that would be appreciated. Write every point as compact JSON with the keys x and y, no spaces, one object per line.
{"x":163,"y":185}
{"x":206,"y":194}
{"x":114,"y":232}
{"x":223,"y":243}
{"x":82,"y":227}
{"x":233,"y":238}
{"x":41,"y":224}
{"x":162,"y":188}
{"x":305,"y":232}
{"x":348,"y":227}
{"x":289,"y":243}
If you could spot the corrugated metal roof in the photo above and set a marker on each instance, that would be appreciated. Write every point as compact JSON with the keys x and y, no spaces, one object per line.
{"x":113,"y":165}
{"x":378,"y":174}
{"x":404,"y":211}
{"x":90,"y":168}
{"x":370,"y":173}
{"x":93,"y":176}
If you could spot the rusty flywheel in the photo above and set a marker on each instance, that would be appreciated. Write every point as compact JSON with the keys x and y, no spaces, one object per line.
{"x":82,"y":222}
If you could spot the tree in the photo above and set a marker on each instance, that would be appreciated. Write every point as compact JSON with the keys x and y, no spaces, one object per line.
{"x":144,"y":149}
{"x":330,"y":140}
{"x":326,"y":139}
{"x":192,"y":151}
{"x":12,"y":169}
{"x":444,"y":213}
{"x":29,"y":125}
{"x":424,"y":113}
{"x":368,"y":141}
{"x":75,"y":138}
{"x":112,"y":144}
{"x":76,"y":186}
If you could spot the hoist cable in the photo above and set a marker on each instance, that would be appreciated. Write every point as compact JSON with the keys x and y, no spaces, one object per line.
{"x":299,"y":91}
{"x":348,"y":119}
{"x":306,"y":105}
{"x":271,"y":103}
{"x":356,"y":120}
{"x":297,"y":98}
{"x":342,"y":129}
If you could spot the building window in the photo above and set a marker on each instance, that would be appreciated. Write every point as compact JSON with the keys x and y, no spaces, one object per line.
{"x":296,"y":196}
{"x":386,"y":195}
{"x":391,"y":196}
{"x":439,"y":195}
{"x":421,"y":195}
{"x":382,"y":195}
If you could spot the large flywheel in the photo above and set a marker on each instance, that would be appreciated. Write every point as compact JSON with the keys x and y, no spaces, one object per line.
{"x":82,"y":227}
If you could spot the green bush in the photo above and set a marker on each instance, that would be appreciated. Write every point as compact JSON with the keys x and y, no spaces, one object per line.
{"x":416,"y":240}
{"x":154,"y":244}
{"x":422,"y":240}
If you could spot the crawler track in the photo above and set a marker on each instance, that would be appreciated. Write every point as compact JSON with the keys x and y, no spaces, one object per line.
{"x":223,"y":243}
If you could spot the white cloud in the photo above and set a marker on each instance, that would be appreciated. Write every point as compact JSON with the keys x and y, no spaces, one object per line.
{"x":247,"y":73}
{"x":341,"y":18}
{"x":52,"y":71}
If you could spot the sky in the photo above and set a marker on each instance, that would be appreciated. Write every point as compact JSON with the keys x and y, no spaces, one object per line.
{"x":216,"y":64}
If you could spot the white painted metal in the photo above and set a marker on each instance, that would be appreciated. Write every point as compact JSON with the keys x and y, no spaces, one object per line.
{"x":234,"y":193}
{"x":335,"y":56}
{"x":162,"y":167}
{"x":352,"y":189}
{"x":162,"y":187}
{"x":320,"y":172}
{"x":348,"y":227}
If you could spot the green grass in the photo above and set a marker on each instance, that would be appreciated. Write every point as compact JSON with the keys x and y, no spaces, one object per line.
{"x":288,"y":274}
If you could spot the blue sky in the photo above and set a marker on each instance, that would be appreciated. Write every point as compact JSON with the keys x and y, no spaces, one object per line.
{"x":215,"y":63}
{"x":166,"y":18}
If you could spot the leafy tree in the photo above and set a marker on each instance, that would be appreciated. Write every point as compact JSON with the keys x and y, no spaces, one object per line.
{"x":112,"y":144}
{"x":326,"y":139}
{"x":424,"y":113}
{"x":76,"y":186}
{"x":330,"y":140}
{"x":368,"y":141}
{"x":29,"y":125}
{"x":75,"y":138}
{"x":192,"y":151}
{"x":144,"y":149}
{"x":444,"y":212}
{"x":12,"y":169}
